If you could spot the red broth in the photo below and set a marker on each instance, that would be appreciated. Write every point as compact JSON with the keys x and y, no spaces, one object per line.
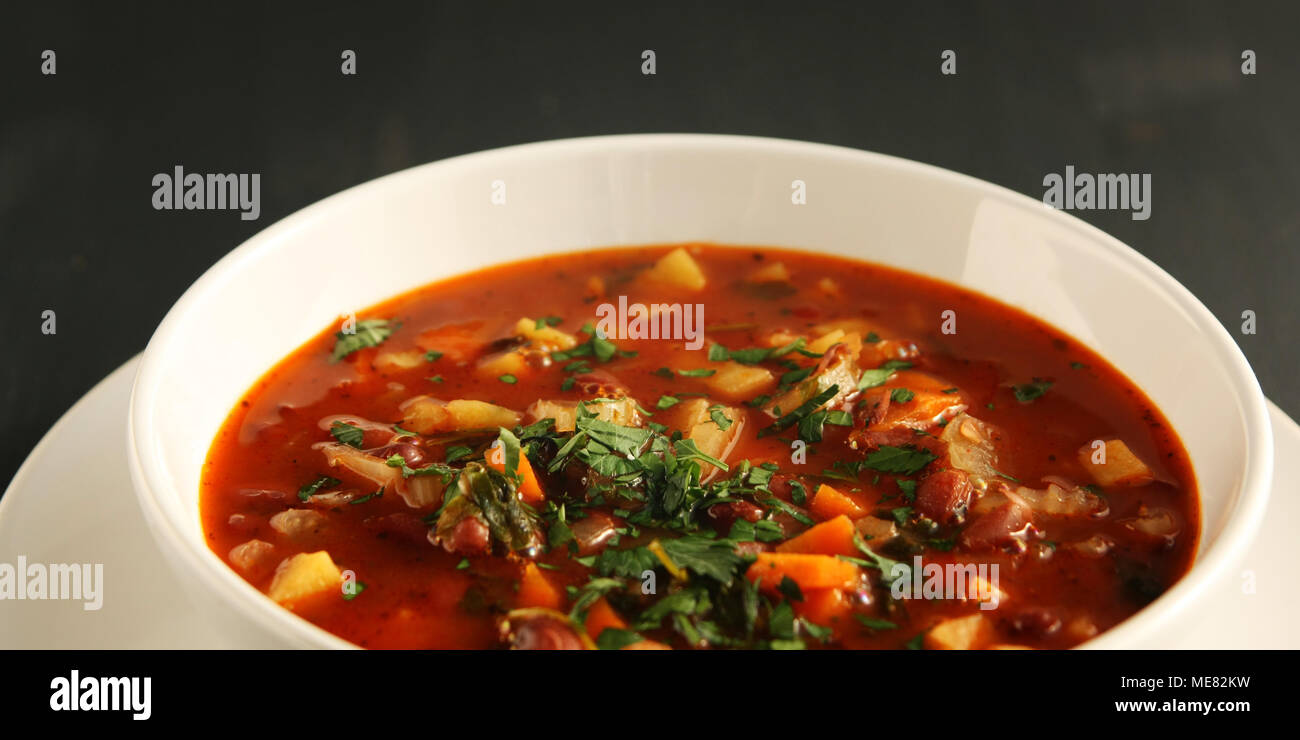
{"x":979,"y":448}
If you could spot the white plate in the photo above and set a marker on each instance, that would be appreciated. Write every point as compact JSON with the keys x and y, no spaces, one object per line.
{"x":71,"y":502}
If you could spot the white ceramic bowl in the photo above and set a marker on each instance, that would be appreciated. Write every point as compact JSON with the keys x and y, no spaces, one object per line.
{"x":376,"y":240}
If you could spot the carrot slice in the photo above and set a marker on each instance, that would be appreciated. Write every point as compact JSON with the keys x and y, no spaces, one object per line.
{"x":601,"y":616}
{"x":806,"y":570}
{"x":826,"y":607}
{"x":831,"y":537}
{"x":828,"y":503}
{"x":535,"y":590}
{"x":529,"y":489}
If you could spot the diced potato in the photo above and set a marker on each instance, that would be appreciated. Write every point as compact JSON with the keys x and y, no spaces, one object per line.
{"x":427,"y":415}
{"x":1122,"y":467}
{"x":962,"y":633}
{"x":679,"y":269}
{"x":393,"y":361}
{"x":772,"y":272}
{"x":621,"y":411}
{"x":303,"y":575}
{"x":481,"y":415}
{"x":547,"y":338}
{"x":857,"y":326}
{"x":695,"y":421}
{"x":737,"y":382}
{"x":1008,"y":647}
{"x":824,"y":342}
{"x":503,"y":363}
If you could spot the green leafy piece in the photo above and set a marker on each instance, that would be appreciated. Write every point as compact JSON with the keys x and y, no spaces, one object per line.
{"x":697,"y":373}
{"x":804,"y":409}
{"x":366,"y":498}
{"x":712,"y":558}
{"x":873,"y":378}
{"x":457,"y":452}
{"x":1031,"y":391}
{"x":368,"y":333}
{"x":905,"y":460}
{"x":719,"y":418}
{"x":667,"y":402}
{"x":613,"y":638}
{"x":901,"y":395}
{"x":352,"y":593}
{"x":348,"y":434}
{"x":875,"y":624}
{"x":310,"y":489}
{"x":432,"y":356}
{"x":508,"y":379}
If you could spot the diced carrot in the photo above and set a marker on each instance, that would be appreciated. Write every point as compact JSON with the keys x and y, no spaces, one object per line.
{"x":647,"y":645}
{"x":535,"y":590}
{"x":602,"y":616}
{"x":808,"y":571}
{"x":826,"y":607}
{"x":529,"y":489}
{"x":829,"y":503}
{"x":831,"y":537}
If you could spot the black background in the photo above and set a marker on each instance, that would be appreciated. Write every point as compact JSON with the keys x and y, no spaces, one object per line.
{"x":1110,"y":87}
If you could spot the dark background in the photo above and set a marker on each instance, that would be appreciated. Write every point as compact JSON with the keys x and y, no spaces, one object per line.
{"x":1110,"y":87}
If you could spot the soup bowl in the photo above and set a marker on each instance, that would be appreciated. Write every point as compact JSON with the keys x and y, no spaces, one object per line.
{"x":413,"y":227}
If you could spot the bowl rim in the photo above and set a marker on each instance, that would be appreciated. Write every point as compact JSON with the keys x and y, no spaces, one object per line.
{"x":1244,"y":516}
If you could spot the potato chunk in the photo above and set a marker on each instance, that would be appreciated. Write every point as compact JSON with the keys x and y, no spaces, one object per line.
{"x":737,"y":382}
{"x":962,"y":633}
{"x":695,"y":419}
{"x":1121,"y":466}
{"x":303,"y":575}
{"x":679,"y":269}
{"x":547,"y":338}
{"x":427,"y":415}
{"x":621,"y":411}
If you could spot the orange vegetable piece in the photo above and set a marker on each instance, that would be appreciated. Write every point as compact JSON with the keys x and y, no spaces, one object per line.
{"x":647,"y":645}
{"x":536,"y":590}
{"x":807,"y":570}
{"x":831,"y":537}
{"x":601,"y":616}
{"x":529,"y":489}
{"x":825,"y":607}
{"x":828,"y":503}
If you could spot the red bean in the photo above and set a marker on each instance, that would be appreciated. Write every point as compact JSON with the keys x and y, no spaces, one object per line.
{"x":469,"y":537}
{"x":944,"y":496}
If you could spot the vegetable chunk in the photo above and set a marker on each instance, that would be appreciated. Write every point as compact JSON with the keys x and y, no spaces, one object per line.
{"x":679,"y":269}
{"x":303,"y":575}
{"x":1121,"y":466}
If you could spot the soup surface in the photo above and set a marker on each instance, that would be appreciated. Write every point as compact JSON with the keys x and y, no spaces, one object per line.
{"x":700,"y":446}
